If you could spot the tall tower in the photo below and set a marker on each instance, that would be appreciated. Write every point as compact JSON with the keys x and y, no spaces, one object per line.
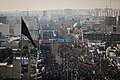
{"x":44,"y":17}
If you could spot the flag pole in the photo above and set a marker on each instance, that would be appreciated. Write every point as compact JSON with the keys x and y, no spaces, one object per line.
{"x":21,"y":46}
{"x":21,"y":39}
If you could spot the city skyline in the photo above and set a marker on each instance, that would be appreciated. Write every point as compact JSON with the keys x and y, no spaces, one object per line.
{"x":22,"y":5}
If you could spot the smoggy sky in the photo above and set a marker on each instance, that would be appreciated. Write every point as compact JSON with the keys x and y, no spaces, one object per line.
{"x":13,"y":5}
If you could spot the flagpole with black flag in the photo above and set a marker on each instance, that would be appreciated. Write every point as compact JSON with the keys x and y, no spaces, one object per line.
{"x":21,"y":42}
{"x":25,"y":32}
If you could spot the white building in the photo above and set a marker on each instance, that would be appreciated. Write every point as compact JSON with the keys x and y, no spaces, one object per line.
{"x":4,"y":28}
{"x":17,"y":29}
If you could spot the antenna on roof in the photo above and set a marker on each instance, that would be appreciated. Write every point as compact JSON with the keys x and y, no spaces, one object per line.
{"x":108,"y":4}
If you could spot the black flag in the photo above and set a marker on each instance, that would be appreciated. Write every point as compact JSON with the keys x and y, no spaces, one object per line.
{"x":24,"y":31}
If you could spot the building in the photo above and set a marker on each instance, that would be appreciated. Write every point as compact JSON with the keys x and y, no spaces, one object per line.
{"x":4,"y":29}
{"x":98,"y":12}
{"x":12,"y":71}
{"x":46,"y":31}
{"x":3,"y":19}
{"x":108,"y":37}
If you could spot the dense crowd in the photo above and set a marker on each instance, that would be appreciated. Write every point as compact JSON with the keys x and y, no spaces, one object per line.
{"x":78,"y":65}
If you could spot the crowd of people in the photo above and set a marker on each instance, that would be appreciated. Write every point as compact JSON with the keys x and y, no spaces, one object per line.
{"x":79,"y":65}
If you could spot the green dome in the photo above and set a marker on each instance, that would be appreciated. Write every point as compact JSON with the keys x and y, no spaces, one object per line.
{"x":77,"y":25}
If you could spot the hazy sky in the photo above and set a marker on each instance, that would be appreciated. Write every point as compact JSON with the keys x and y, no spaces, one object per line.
{"x":56,"y":4}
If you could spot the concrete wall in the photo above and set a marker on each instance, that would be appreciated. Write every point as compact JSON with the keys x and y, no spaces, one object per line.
{"x":11,"y":71}
{"x":6,"y":71}
{"x":16,"y":69}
